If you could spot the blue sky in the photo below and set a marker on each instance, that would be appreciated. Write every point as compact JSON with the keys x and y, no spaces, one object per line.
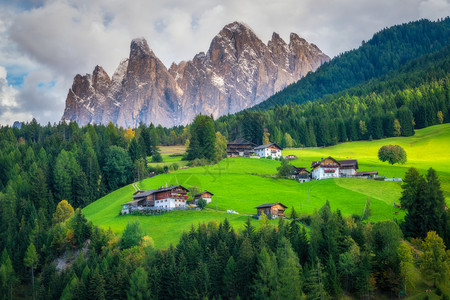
{"x":44,"y":44}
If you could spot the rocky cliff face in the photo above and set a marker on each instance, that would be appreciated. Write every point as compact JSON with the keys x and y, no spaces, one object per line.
{"x":237,"y":72}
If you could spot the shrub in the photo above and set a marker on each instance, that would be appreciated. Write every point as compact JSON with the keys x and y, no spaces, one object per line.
{"x":156,"y":158}
{"x":201,"y":203}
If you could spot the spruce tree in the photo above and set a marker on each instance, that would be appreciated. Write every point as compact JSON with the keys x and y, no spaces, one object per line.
{"x":134,"y":150}
{"x":96,"y":288}
{"x":230,"y":278}
{"x":289,"y":271}
{"x":331,"y":281}
{"x":265,"y":283}
{"x":138,"y":286}
{"x":31,"y":261}
{"x":246,"y":263}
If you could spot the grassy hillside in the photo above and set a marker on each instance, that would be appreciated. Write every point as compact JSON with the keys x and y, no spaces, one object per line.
{"x":429,"y":147}
{"x":243,"y":183}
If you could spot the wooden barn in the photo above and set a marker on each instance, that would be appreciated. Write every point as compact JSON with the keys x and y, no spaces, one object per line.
{"x":276,"y":210}
{"x":301,"y":174}
{"x":240,"y":147}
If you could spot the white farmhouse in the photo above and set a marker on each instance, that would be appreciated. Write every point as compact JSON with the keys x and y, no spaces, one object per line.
{"x":272,"y":150}
{"x":326,"y":168}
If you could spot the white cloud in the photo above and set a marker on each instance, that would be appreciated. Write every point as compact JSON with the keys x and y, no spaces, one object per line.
{"x":8,"y":103}
{"x":56,"y":39}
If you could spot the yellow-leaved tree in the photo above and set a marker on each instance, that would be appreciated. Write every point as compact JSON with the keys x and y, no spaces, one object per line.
{"x":63,"y":212}
{"x":129,"y":134}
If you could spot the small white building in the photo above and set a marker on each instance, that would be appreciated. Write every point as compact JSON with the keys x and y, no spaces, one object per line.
{"x":326,"y":168}
{"x":272,"y":150}
{"x":207,"y":196}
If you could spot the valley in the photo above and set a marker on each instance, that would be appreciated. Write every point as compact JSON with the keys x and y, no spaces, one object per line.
{"x":241,"y":184}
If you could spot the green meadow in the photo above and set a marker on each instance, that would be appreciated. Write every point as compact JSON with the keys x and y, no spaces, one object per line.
{"x":240,"y":184}
{"x":167,"y":153}
{"x":429,"y":147}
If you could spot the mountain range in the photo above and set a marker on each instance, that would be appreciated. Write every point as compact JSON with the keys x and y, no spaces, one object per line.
{"x":237,"y":72}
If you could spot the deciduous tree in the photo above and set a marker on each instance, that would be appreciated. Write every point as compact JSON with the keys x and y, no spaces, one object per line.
{"x":63,"y":212}
{"x":394,"y":154}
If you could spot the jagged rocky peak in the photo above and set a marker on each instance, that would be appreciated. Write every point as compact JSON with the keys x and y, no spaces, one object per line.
{"x":121,"y":70}
{"x":237,"y":72}
{"x":233,"y":40}
{"x":139,"y":46}
{"x":294,"y":39}
{"x":101,"y":80}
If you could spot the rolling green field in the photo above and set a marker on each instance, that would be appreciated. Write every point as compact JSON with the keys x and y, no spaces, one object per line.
{"x":241,"y":184}
{"x":429,"y":147}
{"x":168,"y":160}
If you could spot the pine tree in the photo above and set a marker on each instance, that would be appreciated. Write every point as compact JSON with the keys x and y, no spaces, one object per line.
{"x":7,"y":276}
{"x":134,"y":150}
{"x":138,"y":286}
{"x":289,"y":271}
{"x":96,"y":289}
{"x":315,"y":288}
{"x":249,"y":229}
{"x":331,"y":281}
{"x":265,"y":283}
{"x":230,"y":278}
{"x":363,"y":283}
{"x":70,"y":288}
{"x":405,"y":118}
{"x":31,"y":261}
{"x":435,"y":201}
{"x":423,"y":199}
{"x":246,"y":263}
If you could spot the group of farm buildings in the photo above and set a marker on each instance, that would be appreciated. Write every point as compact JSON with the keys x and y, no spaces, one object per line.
{"x":323,"y":169}
{"x":175,"y":197}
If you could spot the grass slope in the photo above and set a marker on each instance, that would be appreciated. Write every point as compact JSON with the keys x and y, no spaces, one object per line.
{"x":243,"y":183}
{"x":429,"y":147}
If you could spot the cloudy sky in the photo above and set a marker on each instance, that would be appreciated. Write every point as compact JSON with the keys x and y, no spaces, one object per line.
{"x":44,"y":44}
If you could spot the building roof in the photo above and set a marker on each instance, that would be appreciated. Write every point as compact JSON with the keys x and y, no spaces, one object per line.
{"x":315,"y":163}
{"x":299,"y":170}
{"x":365,"y":173}
{"x":268,"y":145}
{"x":205,"y":191}
{"x":270,"y":205}
{"x":133,"y":202}
{"x":241,"y":141}
{"x":162,"y":189}
{"x":351,"y":163}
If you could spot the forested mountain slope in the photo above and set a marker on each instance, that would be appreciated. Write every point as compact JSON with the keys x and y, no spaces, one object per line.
{"x":388,"y":50}
{"x":414,"y":96}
